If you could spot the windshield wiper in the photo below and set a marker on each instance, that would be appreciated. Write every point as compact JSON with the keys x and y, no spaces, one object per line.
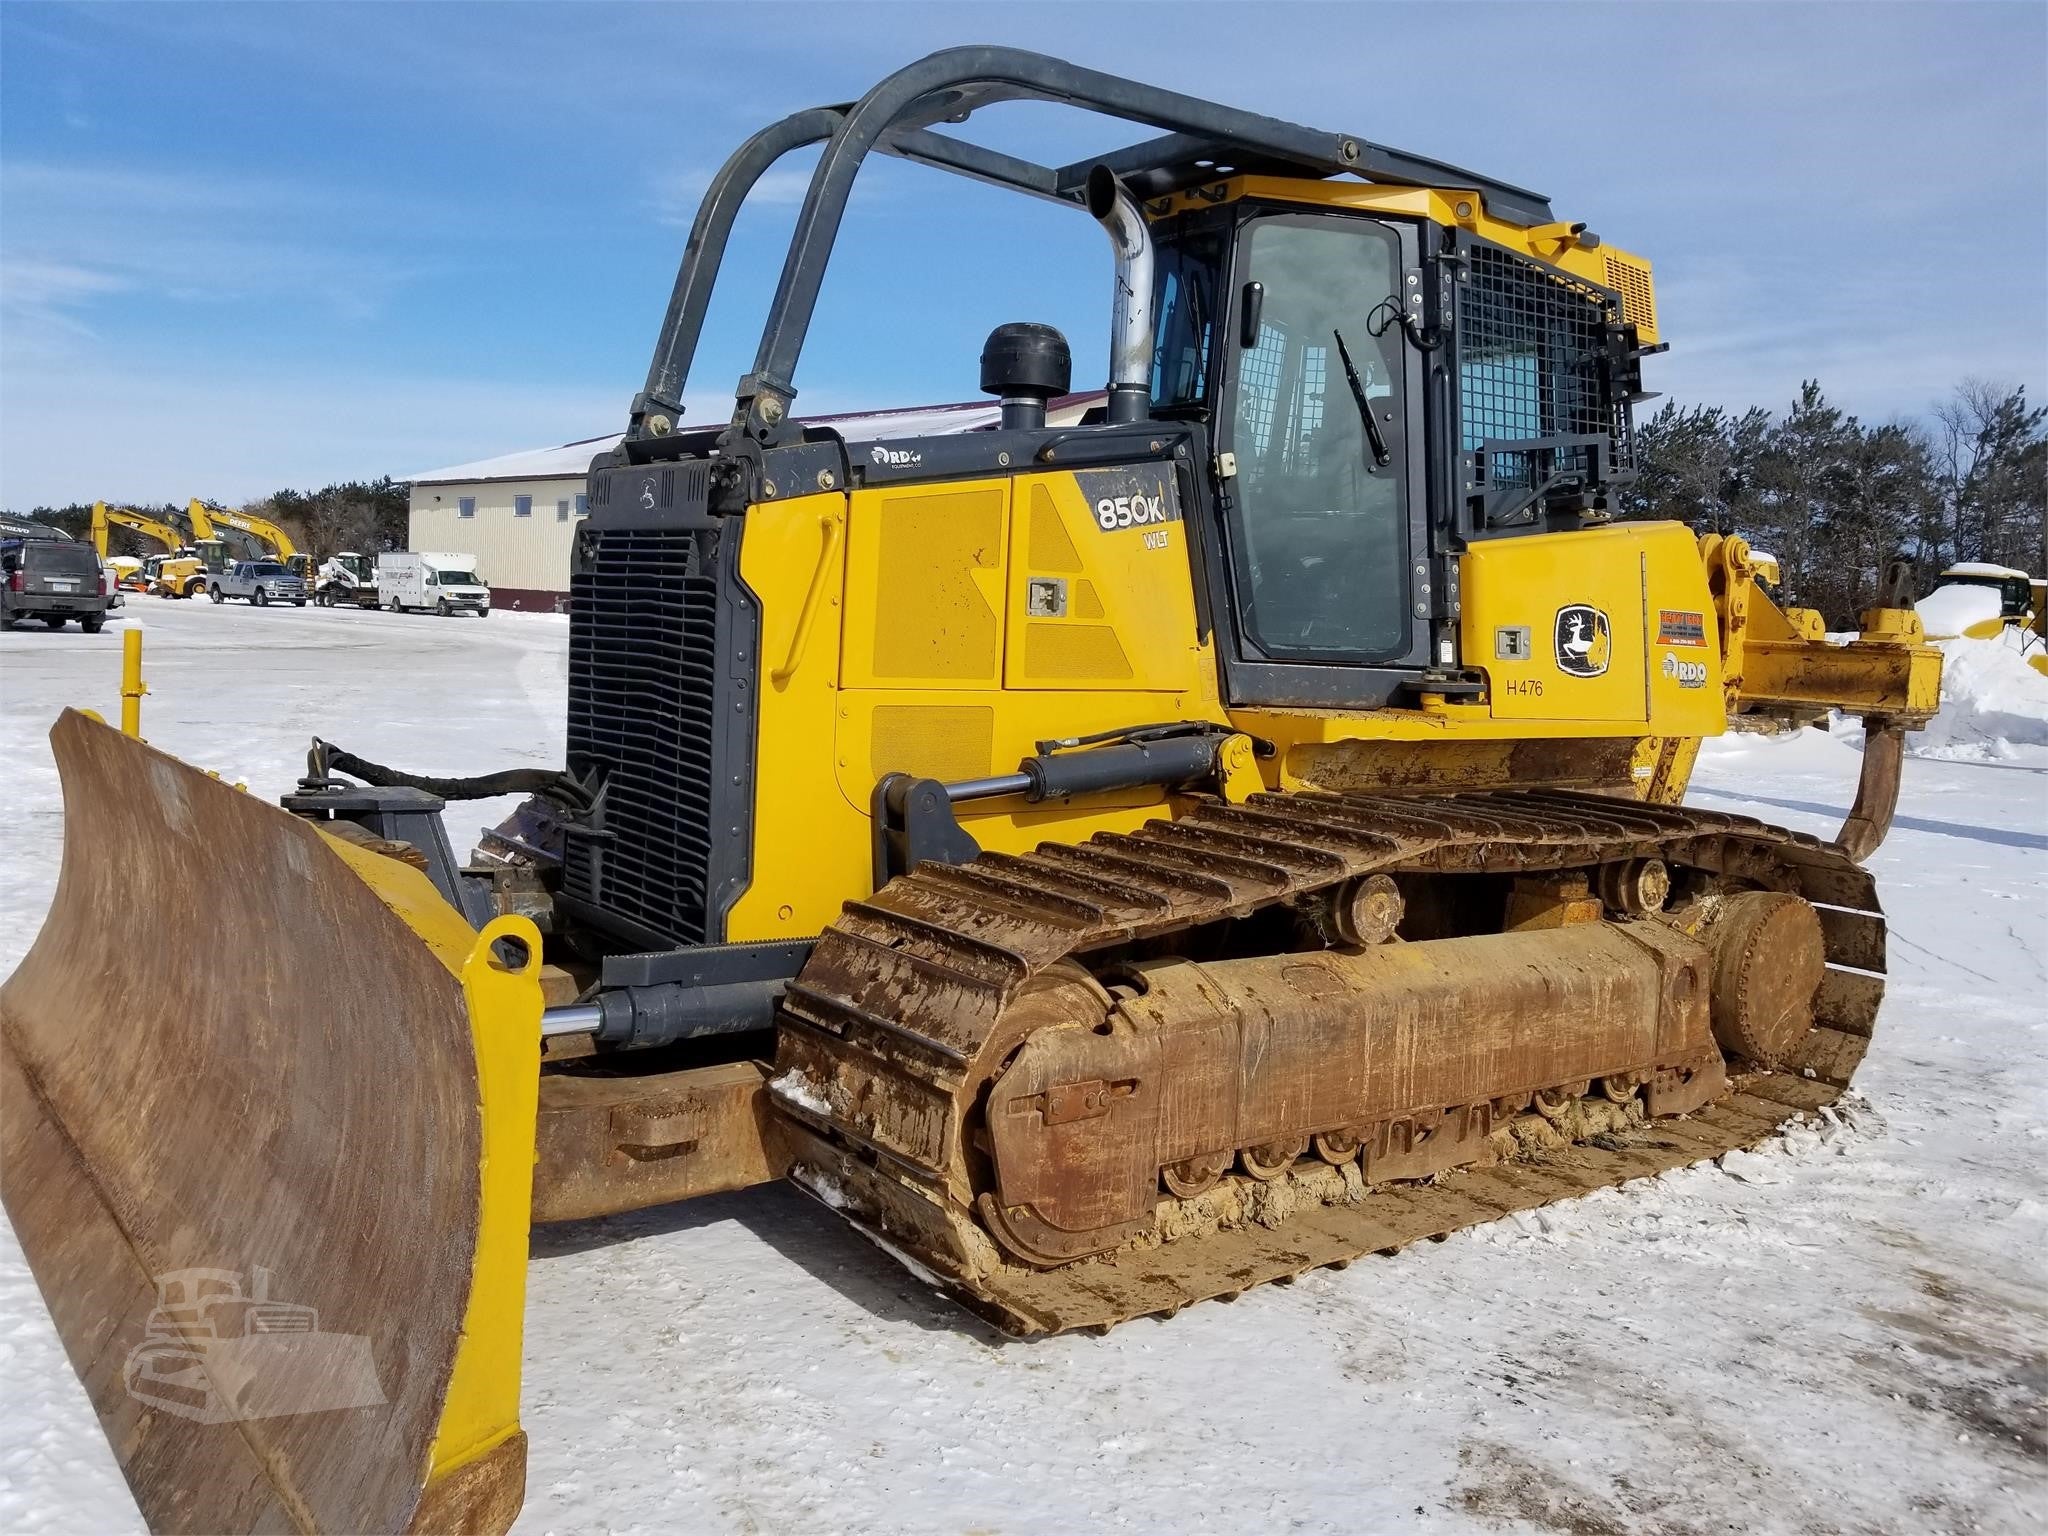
{"x":1382,"y":455}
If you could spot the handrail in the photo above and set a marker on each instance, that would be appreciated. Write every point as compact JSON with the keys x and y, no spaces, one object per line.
{"x":829,"y":523}
{"x":660,"y":405}
{"x":896,"y":117}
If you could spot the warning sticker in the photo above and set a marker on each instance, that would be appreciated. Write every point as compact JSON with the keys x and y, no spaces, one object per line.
{"x":1676,"y":626}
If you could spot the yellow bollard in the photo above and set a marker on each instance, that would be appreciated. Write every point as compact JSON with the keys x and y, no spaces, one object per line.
{"x":132,"y":685}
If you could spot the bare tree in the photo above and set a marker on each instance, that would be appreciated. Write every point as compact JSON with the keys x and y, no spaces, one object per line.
{"x":1989,"y":453}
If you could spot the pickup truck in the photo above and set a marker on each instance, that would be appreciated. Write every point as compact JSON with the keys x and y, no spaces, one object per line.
{"x":258,"y":581}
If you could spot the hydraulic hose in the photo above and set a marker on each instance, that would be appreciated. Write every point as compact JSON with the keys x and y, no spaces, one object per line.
{"x":549,"y":782}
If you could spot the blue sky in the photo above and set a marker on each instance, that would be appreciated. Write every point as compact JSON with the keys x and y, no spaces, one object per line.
{"x":249,"y":246}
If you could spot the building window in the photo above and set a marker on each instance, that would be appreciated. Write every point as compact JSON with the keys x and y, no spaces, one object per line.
{"x":582,"y":505}
{"x":561,"y":511}
{"x":522,"y":506}
{"x":465,"y":506}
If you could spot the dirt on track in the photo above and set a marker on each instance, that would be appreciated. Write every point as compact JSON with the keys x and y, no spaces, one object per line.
{"x":909,"y":988}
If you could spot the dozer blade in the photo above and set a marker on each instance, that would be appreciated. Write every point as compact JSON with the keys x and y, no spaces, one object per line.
{"x":266,"y":1136}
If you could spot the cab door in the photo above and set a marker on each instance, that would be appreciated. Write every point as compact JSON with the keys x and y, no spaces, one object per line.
{"x":1320,"y":467}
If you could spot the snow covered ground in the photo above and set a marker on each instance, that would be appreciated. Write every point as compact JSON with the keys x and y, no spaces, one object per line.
{"x":1845,"y":1333}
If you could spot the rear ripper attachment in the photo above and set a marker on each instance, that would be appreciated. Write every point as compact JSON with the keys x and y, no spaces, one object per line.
{"x":1096,"y":1082}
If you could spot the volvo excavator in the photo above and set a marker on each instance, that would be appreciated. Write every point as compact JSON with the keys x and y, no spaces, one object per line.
{"x":1111,"y":865}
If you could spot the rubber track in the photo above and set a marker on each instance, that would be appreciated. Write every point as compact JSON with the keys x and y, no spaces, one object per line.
{"x":915,"y":977}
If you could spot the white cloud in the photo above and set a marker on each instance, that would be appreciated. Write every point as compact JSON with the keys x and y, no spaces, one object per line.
{"x":174,"y":436}
{"x":30,"y":283}
{"x":676,"y":196}
{"x":237,"y":438}
{"x":76,"y":234}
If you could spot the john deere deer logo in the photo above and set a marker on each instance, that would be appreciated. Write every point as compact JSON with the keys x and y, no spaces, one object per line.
{"x":1583,"y":640}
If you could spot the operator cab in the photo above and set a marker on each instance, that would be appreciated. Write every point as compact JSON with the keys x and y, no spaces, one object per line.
{"x":1315,"y":338}
{"x":1355,"y":362}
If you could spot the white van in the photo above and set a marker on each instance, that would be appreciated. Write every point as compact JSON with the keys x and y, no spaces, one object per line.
{"x":413,"y":579}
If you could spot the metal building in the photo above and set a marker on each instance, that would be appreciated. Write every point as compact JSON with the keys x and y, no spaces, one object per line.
{"x":517,"y":513}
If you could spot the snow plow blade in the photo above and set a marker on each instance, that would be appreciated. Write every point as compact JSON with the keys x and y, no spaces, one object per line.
{"x":266,"y":1136}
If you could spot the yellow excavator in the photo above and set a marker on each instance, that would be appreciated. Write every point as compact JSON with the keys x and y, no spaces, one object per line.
{"x":275,"y":541}
{"x":180,"y":570}
{"x":1113,"y":865}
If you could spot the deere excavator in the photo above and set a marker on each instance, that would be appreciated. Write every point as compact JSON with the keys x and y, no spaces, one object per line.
{"x":275,"y":541}
{"x":1112,"y":865}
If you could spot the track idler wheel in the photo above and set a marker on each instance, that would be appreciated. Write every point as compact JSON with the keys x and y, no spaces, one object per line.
{"x":1338,"y":1147}
{"x":1195,"y":1175}
{"x":1768,"y":960}
{"x":1369,"y":910}
{"x":1357,"y":914}
{"x":1273,"y":1159}
{"x":1635,"y":887}
{"x":1621,"y":1088}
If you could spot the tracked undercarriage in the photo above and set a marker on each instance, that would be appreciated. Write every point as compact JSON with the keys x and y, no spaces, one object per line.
{"x":1096,"y":1082}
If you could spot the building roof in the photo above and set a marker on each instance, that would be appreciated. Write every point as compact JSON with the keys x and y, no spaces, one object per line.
{"x":571,"y":460}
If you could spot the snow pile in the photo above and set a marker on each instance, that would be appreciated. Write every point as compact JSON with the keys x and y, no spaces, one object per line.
{"x":1830,"y":1131}
{"x":1981,"y":568}
{"x":1994,"y":706}
{"x":1948,"y":611}
{"x":1853,"y":1346}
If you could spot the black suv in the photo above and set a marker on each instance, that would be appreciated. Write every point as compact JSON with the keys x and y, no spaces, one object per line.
{"x":55,"y":580}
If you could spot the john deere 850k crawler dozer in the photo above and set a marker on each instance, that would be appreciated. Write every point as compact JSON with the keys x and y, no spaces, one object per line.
{"x":1113,"y":865}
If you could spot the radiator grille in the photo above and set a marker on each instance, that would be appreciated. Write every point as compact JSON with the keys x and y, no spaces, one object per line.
{"x":1532,"y":344}
{"x":643,"y":639}
{"x":1631,"y":279}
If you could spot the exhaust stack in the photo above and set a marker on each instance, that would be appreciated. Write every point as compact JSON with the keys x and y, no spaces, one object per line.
{"x":1130,"y":317}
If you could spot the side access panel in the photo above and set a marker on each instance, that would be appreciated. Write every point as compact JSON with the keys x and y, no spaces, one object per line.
{"x":1100,"y":594}
{"x":1604,"y":625}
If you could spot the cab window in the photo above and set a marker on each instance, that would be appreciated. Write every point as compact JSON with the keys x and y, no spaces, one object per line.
{"x":1320,"y":536}
{"x":1184,"y":299}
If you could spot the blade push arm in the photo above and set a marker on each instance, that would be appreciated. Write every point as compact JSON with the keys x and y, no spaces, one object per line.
{"x":1779,"y":664}
{"x":1779,"y":661}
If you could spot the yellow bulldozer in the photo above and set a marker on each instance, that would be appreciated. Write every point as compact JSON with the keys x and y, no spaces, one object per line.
{"x":1113,"y":865}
